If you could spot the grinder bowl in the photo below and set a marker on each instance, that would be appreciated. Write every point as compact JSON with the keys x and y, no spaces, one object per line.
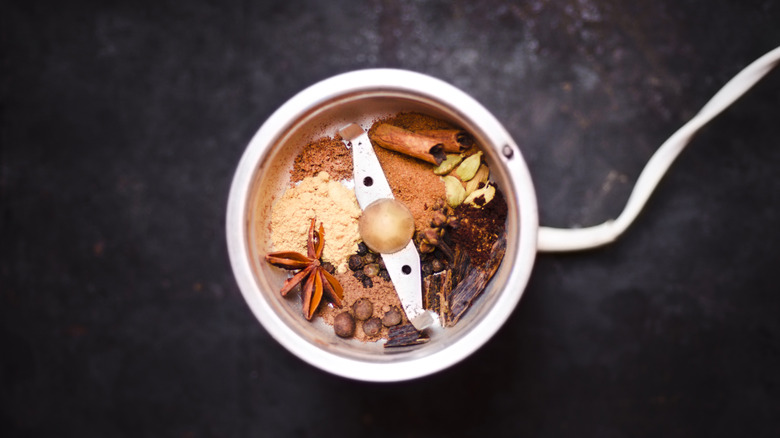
{"x":263,"y":173}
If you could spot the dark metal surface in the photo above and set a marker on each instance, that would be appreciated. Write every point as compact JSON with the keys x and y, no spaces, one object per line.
{"x":122,"y":123}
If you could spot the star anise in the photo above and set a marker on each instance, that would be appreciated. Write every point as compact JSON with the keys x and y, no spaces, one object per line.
{"x":315,"y":278}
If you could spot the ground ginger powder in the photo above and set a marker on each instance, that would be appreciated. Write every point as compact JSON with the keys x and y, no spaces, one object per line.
{"x":332,"y":204}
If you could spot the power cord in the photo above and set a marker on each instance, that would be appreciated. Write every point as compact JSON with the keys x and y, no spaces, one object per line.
{"x":575,"y":239}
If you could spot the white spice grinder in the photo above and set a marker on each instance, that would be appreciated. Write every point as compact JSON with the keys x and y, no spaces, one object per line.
{"x":363,"y":97}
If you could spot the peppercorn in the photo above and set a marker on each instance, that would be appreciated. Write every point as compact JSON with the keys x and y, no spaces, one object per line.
{"x":437,"y":265}
{"x":384,"y":275}
{"x":328,"y":267}
{"x":392,"y":317}
{"x":344,"y":325}
{"x":371,"y":270}
{"x":367,"y":282}
{"x":381,"y":263}
{"x":369,"y":258}
{"x":363,"y":309}
{"x":372,"y":327}
{"x":355,"y":262}
{"x":359,"y":275}
{"x":362,"y":249}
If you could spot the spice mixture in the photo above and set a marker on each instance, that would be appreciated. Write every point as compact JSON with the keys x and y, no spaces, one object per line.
{"x":448,"y":230}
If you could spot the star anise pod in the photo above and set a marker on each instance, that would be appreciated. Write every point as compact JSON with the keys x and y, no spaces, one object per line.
{"x":316,"y":280}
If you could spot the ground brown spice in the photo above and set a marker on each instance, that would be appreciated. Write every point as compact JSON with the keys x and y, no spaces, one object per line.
{"x":325,"y":154}
{"x":415,"y":122}
{"x":479,"y":228}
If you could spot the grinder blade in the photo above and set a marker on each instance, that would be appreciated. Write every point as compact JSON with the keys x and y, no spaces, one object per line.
{"x":371,"y":185}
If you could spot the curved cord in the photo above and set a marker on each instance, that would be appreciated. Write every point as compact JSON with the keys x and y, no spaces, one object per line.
{"x":575,"y":239}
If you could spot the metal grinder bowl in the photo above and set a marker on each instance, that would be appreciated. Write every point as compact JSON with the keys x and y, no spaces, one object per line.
{"x":263,"y":174}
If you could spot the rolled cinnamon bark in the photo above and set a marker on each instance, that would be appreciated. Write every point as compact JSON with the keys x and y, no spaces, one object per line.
{"x":454,"y":140}
{"x":409,"y":143}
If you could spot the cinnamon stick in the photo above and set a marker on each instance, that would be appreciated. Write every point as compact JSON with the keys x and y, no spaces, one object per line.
{"x":409,"y":143}
{"x":454,"y":141}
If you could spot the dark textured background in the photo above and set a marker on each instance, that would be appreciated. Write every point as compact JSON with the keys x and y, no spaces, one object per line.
{"x":122,"y":123}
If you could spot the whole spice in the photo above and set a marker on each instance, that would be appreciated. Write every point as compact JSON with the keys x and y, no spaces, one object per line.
{"x":448,"y":164}
{"x":372,"y":327}
{"x":310,"y":269}
{"x":453,"y":140}
{"x":475,"y":281}
{"x":355,"y":262}
{"x":468,"y":168}
{"x":344,"y":325}
{"x":329,"y":268}
{"x":392,"y":317}
{"x":438,"y":219}
{"x":478,"y":198}
{"x":409,"y":143}
{"x":454,"y":191}
{"x":369,"y":257}
{"x":371,"y":270}
{"x":481,"y":178}
{"x":363,"y":309}
{"x":432,"y":238}
{"x":405,"y":335}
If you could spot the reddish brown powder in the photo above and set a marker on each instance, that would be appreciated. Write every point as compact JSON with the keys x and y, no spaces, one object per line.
{"x":325,"y":154}
{"x":416,"y":122}
{"x":479,"y":228}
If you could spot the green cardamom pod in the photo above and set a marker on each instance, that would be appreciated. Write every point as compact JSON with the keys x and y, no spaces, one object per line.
{"x":448,"y":164}
{"x":478,"y":198}
{"x":481,"y":177}
{"x":468,"y":168}
{"x":454,"y":191}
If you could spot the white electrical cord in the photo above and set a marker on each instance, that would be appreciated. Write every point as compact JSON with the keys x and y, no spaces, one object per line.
{"x":575,"y":239}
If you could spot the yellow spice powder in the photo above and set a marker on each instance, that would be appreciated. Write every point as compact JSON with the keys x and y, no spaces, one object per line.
{"x":331,"y":203}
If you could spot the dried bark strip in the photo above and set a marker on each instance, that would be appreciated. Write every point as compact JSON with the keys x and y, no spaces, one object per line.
{"x":409,"y":143}
{"x":475,"y":282}
{"x":454,"y":141}
{"x":404,"y":335}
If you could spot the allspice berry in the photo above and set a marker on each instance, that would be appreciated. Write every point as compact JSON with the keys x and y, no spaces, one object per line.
{"x":372,"y":327}
{"x":392,"y":317}
{"x":363,"y":309}
{"x":344,"y":325}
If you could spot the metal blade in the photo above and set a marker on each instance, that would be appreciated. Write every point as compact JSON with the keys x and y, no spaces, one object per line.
{"x":370,"y":186}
